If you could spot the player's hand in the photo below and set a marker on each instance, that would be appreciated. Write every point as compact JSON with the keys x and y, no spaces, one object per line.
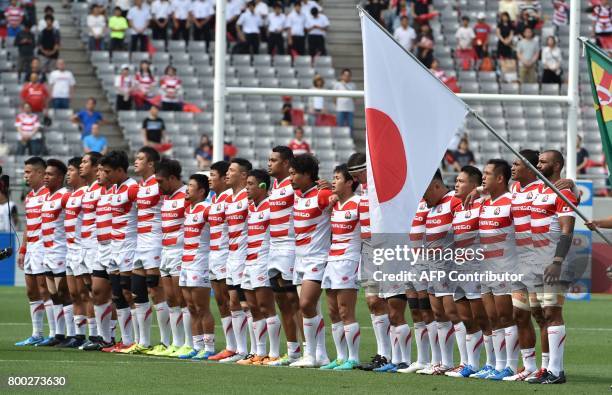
{"x":323,"y":184}
{"x":333,"y":199}
{"x":20,"y":261}
{"x":470,"y":198}
{"x":552,"y":273}
{"x":591,"y":225}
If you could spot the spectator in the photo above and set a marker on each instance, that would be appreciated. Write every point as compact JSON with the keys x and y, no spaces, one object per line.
{"x":49,"y":44}
{"x":561,"y":12}
{"x":95,"y":142}
{"x":510,"y":7}
{"x":401,"y":10}
{"x":582,"y":156}
{"x":180,"y":19}
{"x":87,"y":117}
{"x":35,"y":67}
{"x":202,"y":18}
{"x":9,"y":216}
{"x":117,"y":25}
{"x":144,"y":88}
{"x":153,"y":129}
{"x":316,"y":104}
{"x":96,"y":27}
{"x":160,"y":15}
{"x":425,"y":44}
{"x":276,"y":25}
{"x":203,"y":153}
{"x":139,"y":18}
{"x":287,"y":110}
{"x":262,"y":9}
{"x":375,"y":9}
{"x":296,"y":23}
{"x":247,"y":27}
{"x":233,"y":9}
{"x":405,"y":34}
{"x":528,"y":52}
{"x":25,"y":41}
{"x":533,"y":9}
{"x":308,"y":5}
{"x":551,"y":60}
{"x":525,"y":21}
{"x":14,"y":15}
{"x":172,"y":90}
{"x":42,"y":23}
{"x":345,"y":107}
{"x":62,"y":84}
{"x":505,"y":35}
{"x":602,"y":25}
{"x":463,"y":156}
{"x":482,"y":30}
{"x":298,"y":145}
{"x":124,"y":6}
{"x":35,"y":94}
{"x":28,"y":128}
{"x":124,"y":84}
{"x":421,"y":10}
{"x":229,"y":151}
{"x":316,"y":26}
{"x":29,"y":10}
{"x":465,"y":40}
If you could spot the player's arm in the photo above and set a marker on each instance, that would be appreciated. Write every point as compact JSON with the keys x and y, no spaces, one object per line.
{"x":23,"y":249}
{"x":325,"y":199}
{"x":567,"y":220}
{"x":600,"y":223}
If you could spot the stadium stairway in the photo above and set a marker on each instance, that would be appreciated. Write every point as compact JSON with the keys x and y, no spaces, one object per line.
{"x":77,"y":61}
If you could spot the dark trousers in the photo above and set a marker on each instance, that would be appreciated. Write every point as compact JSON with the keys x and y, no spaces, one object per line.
{"x":203,"y":33}
{"x":252,"y":42}
{"x":299,"y":44}
{"x":122,"y":104}
{"x":32,"y":147}
{"x":276,"y":45}
{"x":231,"y":29}
{"x":138,"y":40}
{"x":159,"y":33}
{"x":316,"y":45}
{"x":116,"y":44}
{"x":181,"y":31}
{"x":168,"y":106}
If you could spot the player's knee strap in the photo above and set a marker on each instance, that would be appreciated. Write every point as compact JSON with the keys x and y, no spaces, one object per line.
{"x":398,"y":296}
{"x":424,"y":304}
{"x":533,"y":301}
{"x":552,"y":299}
{"x":88,"y":286}
{"x":241,"y":295}
{"x":100,"y":274}
{"x":117,"y":291}
{"x":152,"y":280}
{"x":59,"y":275}
{"x":126,"y":282}
{"x":48,"y":274}
{"x":139,"y":288}
{"x":520,"y":300}
{"x":413,"y":303}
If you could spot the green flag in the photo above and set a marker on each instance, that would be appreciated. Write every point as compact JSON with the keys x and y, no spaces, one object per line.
{"x":600,"y":71}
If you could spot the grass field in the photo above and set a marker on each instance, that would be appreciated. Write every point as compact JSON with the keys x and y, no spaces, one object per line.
{"x":588,"y":364}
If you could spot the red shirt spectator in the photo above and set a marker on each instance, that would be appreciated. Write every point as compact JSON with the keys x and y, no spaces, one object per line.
{"x":298,"y":145}
{"x":482,"y":30}
{"x":35,"y":94}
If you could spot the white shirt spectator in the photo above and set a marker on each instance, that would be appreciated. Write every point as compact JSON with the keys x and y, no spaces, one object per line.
{"x":96,"y":25}
{"x":61,"y":82}
{"x":276,"y":23}
{"x":42,"y":24}
{"x":344,"y":104}
{"x":295,"y":23}
{"x":465,"y":36}
{"x":233,"y":8}
{"x":320,"y":21}
{"x":161,"y":9}
{"x":551,"y":58}
{"x":139,"y":17}
{"x":308,"y":5}
{"x":5,"y":209}
{"x":201,"y":9}
{"x":262,"y":9}
{"x":180,"y":9}
{"x":249,"y":22}
{"x":405,"y":37}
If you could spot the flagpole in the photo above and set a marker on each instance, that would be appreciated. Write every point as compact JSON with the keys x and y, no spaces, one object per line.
{"x":490,"y":129}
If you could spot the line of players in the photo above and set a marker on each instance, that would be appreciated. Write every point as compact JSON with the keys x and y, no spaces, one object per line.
{"x":114,"y":239}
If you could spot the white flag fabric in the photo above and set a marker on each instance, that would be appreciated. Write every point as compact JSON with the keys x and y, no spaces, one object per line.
{"x":411,"y":118}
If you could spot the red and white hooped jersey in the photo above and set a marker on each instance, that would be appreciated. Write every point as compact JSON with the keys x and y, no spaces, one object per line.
{"x":603,"y":17}
{"x":171,"y":88}
{"x":522,"y":198}
{"x":216,"y":219}
{"x":312,"y":222}
{"x":52,"y":212}
{"x":149,"y":215}
{"x":74,"y":217}
{"x":364,"y":213}
{"x":417,"y":230}
{"x":465,"y":225}
{"x":14,"y":15}
{"x":145,"y":83}
{"x":439,"y":222}
{"x":196,"y":239}
{"x":236,"y":213}
{"x":104,"y":215}
{"x":258,"y":234}
{"x":345,"y":231}
{"x":496,"y":229}
{"x":282,"y":234}
{"x":33,"y":210}
{"x":89,"y":205}
{"x":546,"y":210}
{"x":125,"y":215}
{"x":173,"y":218}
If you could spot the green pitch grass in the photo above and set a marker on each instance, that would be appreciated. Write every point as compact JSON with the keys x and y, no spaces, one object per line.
{"x":588,"y":364}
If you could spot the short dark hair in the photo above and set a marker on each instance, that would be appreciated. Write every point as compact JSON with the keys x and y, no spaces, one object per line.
{"x":531,"y":156}
{"x":94,"y":157}
{"x":49,"y":18}
{"x":465,"y":18}
{"x":244,"y":164}
{"x":151,"y":154}
{"x":500,"y":166}
{"x":202,"y":181}
{"x":344,"y":70}
{"x":314,"y":11}
{"x":36,"y":161}
{"x":438,"y":176}
{"x":75,"y":161}
{"x":116,"y":160}
{"x":356,"y":159}
{"x":473,"y":173}
{"x":221,"y":167}
{"x":58,"y":164}
{"x":92,"y":99}
{"x":168,"y":167}
{"x":284,"y":152}
{"x":557,"y":156}
{"x":261,"y":176}
{"x":306,"y":164}
{"x":343,"y":169}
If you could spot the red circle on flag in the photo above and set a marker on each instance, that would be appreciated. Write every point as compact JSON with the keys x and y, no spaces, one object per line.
{"x":387,"y":154}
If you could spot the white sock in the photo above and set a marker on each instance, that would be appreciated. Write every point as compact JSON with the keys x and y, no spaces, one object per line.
{"x":144,"y":316}
{"x":489,"y":349}
{"x":339,"y":337}
{"x":230,"y":339}
{"x":209,"y":342}
{"x":434,"y":344}
{"x":294,"y":350}
{"x":92,"y":326}
{"x":460,"y":334}
{"x":124,"y":317}
{"x":529,"y":359}
{"x":80,"y":325}
{"x":260,"y":329}
{"x":353,"y":339}
{"x":473,"y":343}
{"x":103,"y":315}
{"x":321,"y":353}
{"x":499,"y":347}
{"x":69,"y":320}
{"x":422,"y":342}
{"x":396,"y":352}
{"x":252,"y":338}
{"x":37,"y":309}
{"x":545,"y":359}
{"x":446,"y":340}
{"x":162,"y":312}
{"x":187,"y":327}
{"x":135,"y":325}
{"x":311,"y":325}
{"x":239,"y":325}
{"x":176,"y":326}
{"x":556,"y":347}
{"x":382,"y":327}
{"x":512,"y":347}
{"x":379,"y":350}
{"x":404,"y":337}
{"x":198,"y":342}
{"x":274,"y":329}
{"x":50,"y":317}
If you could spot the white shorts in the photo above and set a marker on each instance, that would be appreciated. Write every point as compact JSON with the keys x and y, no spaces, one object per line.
{"x":171,"y":260}
{"x":196,"y":277}
{"x":497,"y":288}
{"x":281,"y":262}
{"x":468,"y":289}
{"x":255,"y":276}
{"x":149,"y":259}
{"x":33,"y":261}
{"x":308,"y":268}
{"x":389,"y":290}
{"x":123,"y":260}
{"x":90,"y":255}
{"x":341,"y":275}
{"x":218,"y":264}
{"x":420,"y":283}
{"x":235,"y":269}
{"x":103,"y":258}
{"x":75,"y":262}
{"x":55,"y":262}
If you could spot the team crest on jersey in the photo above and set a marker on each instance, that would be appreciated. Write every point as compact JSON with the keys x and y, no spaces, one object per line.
{"x":174,"y":204}
{"x":545,"y":198}
{"x":497,"y":210}
{"x":307,"y":203}
{"x":530,"y":195}
{"x":468,"y":214}
{"x":148,"y":190}
{"x":514,"y":196}
{"x":439,"y":209}
{"x":91,"y":195}
{"x":40,"y":200}
{"x":261,"y":215}
{"x":347,"y":215}
{"x":239,"y":205}
{"x":194,"y":277}
{"x":282,"y":192}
